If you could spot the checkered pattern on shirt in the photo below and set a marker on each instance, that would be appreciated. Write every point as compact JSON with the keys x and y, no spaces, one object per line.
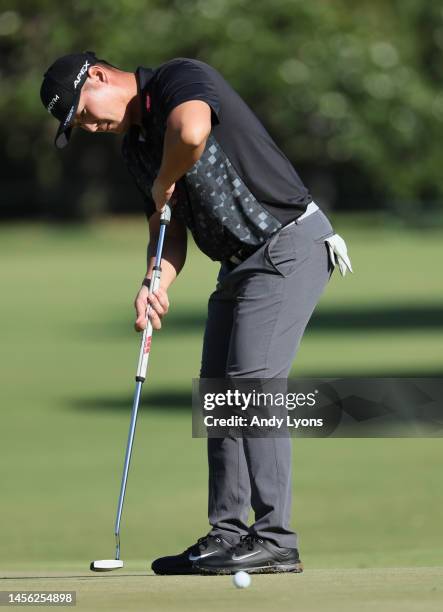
{"x":211,"y":200}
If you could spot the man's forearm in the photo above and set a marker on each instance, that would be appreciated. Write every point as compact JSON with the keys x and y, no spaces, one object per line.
{"x":173,"y":259}
{"x":180,"y":152}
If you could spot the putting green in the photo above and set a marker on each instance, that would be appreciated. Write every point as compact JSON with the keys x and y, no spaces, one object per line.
{"x":418,"y":589}
{"x":68,"y":355}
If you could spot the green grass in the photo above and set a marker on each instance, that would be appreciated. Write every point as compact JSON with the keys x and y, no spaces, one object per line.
{"x":393,"y":590}
{"x":67,"y":357}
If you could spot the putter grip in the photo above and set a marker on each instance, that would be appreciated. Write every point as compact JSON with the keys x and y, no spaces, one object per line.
{"x":145,"y":345}
{"x":165,"y":217}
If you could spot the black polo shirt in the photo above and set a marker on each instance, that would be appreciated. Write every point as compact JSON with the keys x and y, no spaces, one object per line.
{"x":242,"y":189}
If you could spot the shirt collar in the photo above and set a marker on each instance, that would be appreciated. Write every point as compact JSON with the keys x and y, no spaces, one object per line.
{"x":143,"y":77}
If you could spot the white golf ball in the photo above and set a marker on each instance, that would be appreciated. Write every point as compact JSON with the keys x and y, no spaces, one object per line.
{"x":241,"y":580}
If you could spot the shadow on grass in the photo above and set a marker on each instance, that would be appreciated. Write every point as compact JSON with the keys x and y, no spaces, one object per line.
{"x":81,"y":577}
{"x":182,"y":399}
{"x":155,"y":400}
{"x":345,"y":319}
{"x":379,"y":318}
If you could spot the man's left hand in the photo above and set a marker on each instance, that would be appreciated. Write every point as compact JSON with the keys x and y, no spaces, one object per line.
{"x":161,"y":193}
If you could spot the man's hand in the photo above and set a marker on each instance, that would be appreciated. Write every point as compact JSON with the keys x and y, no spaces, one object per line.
{"x":159,"y":307}
{"x":161,"y":193}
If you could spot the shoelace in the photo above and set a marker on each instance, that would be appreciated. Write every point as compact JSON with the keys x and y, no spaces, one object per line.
{"x":204,"y":541}
{"x":248,"y":541}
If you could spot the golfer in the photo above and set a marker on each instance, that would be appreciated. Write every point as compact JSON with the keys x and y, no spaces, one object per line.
{"x":191,"y":139}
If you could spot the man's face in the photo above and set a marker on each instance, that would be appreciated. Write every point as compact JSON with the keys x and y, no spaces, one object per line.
{"x":103,"y":106}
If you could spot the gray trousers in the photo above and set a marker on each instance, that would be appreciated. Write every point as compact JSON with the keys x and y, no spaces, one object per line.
{"x":256,"y":319}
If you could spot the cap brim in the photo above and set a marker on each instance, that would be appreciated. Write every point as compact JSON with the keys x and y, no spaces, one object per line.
{"x":65,"y":128}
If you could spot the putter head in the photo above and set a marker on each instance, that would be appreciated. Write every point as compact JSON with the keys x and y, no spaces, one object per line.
{"x":106,"y":565}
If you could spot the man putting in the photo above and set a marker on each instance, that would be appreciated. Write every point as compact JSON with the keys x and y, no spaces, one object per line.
{"x":189,"y":137}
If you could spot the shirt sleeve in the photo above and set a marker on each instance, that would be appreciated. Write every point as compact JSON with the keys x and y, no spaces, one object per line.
{"x":181,"y":80}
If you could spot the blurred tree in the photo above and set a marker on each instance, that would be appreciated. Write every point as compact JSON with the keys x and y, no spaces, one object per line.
{"x":350,"y":91}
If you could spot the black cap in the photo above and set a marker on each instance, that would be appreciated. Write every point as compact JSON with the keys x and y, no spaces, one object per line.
{"x":61,"y":88}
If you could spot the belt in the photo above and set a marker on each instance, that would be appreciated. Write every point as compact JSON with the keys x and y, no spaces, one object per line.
{"x":311,"y":208}
{"x":239,"y":257}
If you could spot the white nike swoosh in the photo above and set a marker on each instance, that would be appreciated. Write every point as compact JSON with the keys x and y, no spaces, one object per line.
{"x":235,"y":558}
{"x":196,"y":558}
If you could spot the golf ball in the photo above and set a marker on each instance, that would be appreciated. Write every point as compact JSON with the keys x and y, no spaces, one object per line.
{"x":241,"y":580}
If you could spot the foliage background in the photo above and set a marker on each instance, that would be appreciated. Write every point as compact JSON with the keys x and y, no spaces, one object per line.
{"x":350,"y":91}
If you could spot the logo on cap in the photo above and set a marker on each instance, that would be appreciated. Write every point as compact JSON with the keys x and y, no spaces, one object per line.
{"x":83,"y":69}
{"x":68,"y":118}
{"x":52,"y":102}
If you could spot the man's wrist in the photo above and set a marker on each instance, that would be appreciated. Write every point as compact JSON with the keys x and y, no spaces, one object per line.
{"x":146,"y":283}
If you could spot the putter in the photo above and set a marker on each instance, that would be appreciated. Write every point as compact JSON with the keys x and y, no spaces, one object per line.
{"x":107,"y":565}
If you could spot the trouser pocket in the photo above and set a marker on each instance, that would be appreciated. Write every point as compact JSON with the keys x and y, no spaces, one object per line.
{"x":321,"y":230}
{"x":287,"y":249}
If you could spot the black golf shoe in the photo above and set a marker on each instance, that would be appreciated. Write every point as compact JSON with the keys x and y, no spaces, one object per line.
{"x":253,"y":555}
{"x":205,"y":548}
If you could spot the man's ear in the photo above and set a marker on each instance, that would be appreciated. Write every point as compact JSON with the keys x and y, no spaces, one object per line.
{"x":98,"y":73}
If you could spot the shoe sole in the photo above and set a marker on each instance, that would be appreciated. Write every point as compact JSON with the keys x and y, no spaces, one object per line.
{"x":295,"y":568}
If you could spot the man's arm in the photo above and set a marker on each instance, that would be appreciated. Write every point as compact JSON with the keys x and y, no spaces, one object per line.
{"x":173,"y":259}
{"x":187,"y":129}
{"x":174,"y":249}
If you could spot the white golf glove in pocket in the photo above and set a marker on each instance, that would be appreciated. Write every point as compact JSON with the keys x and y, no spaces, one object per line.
{"x":338,"y":252}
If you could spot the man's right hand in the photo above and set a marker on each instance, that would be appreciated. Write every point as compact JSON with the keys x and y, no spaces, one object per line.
{"x":159,"y":307}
